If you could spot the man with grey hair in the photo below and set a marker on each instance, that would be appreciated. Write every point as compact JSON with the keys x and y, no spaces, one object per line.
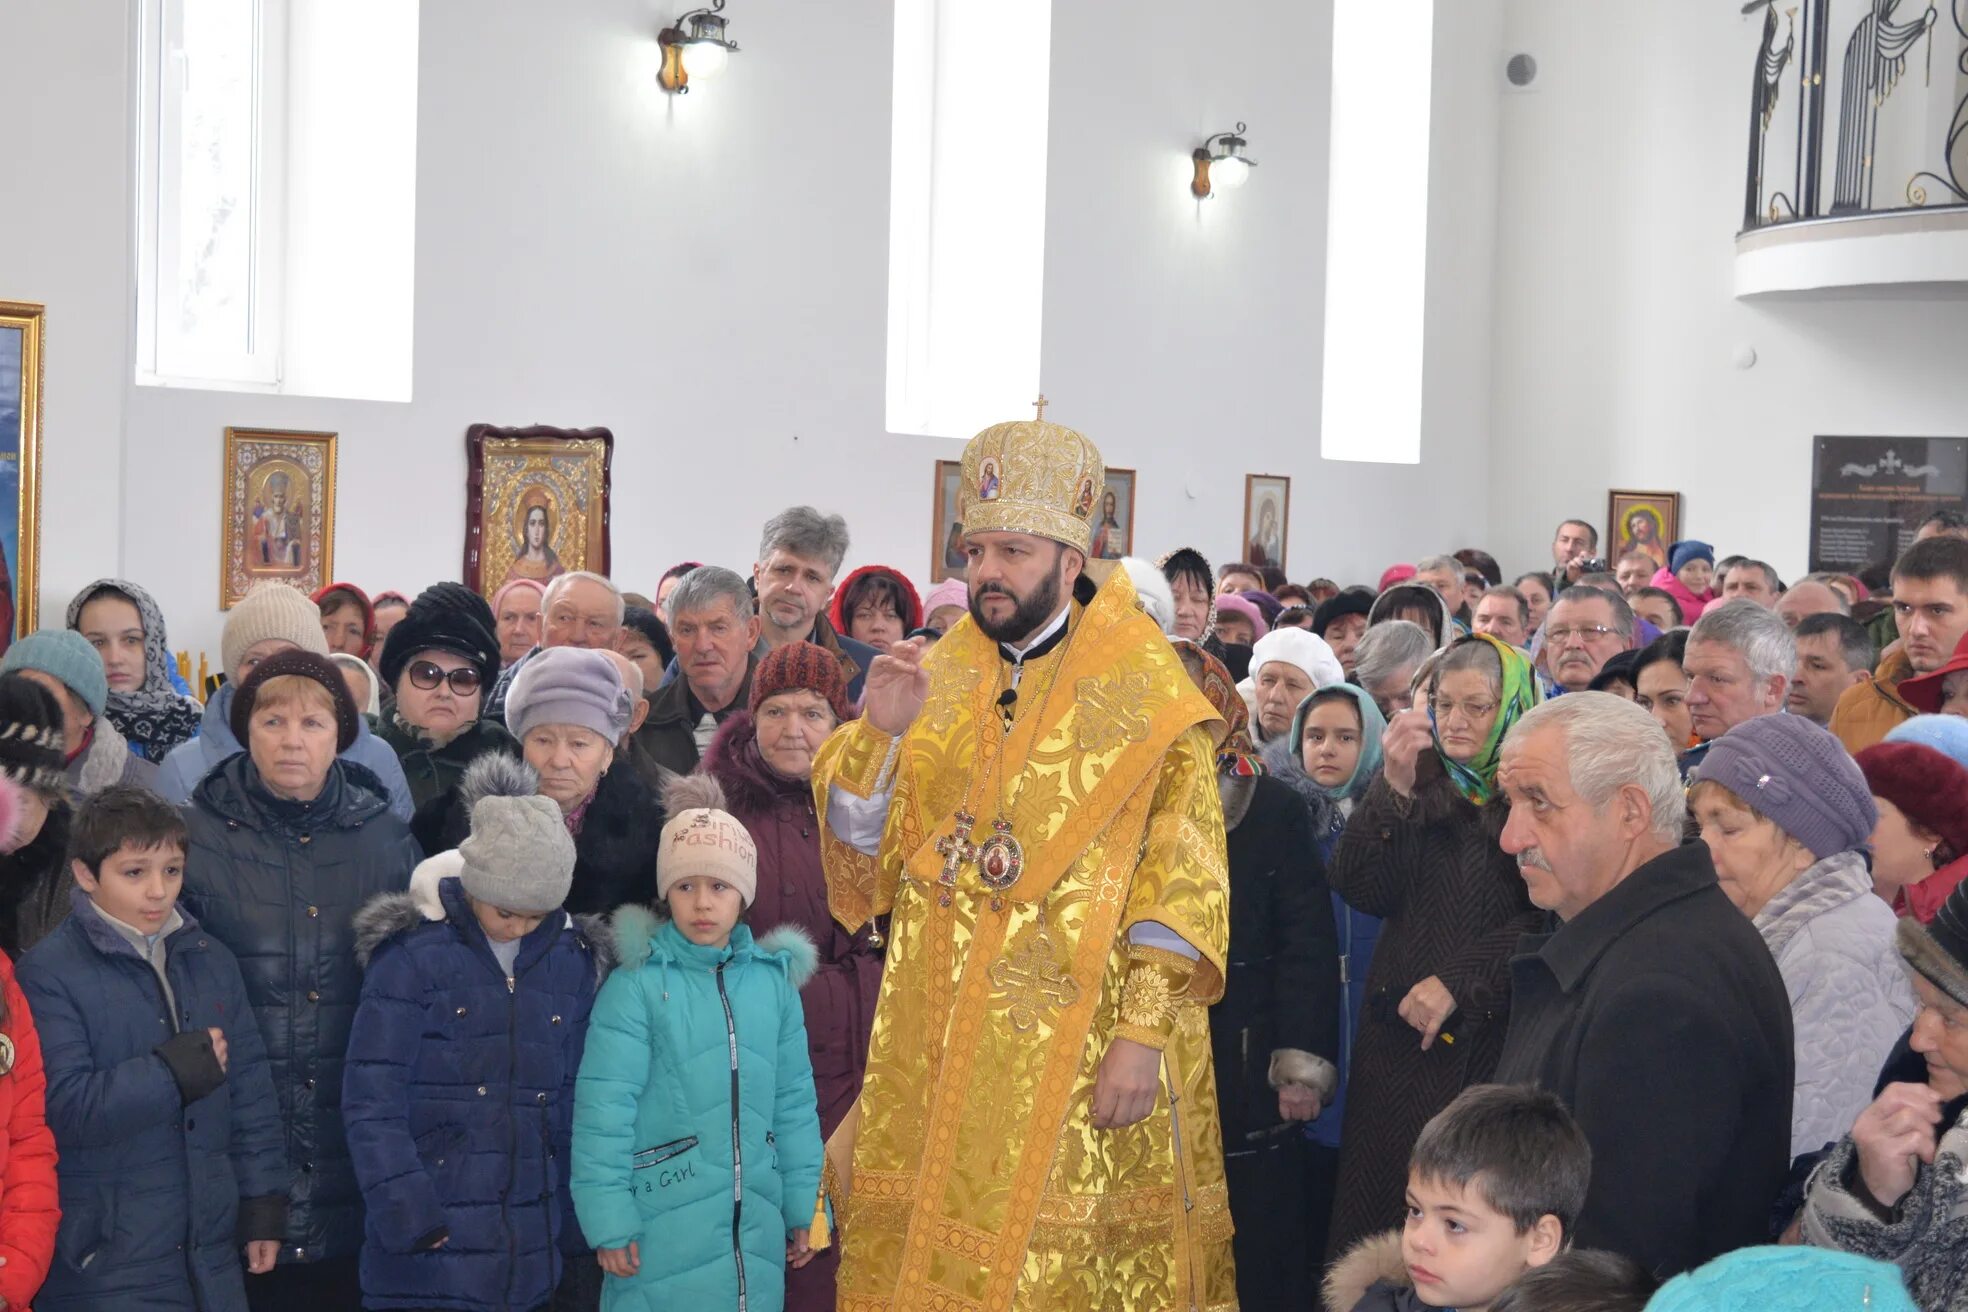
{"x":1444,"y":574}
{"x":580,"y":609}
{"x":1808,"y":597}
{"x":1386,"y":660}
{"x":1585,"y":628}
{"x":716,"y":634}
{"x":1654,"y":1009}
{"x":800,"y":552}
{"x":1739,"y":661}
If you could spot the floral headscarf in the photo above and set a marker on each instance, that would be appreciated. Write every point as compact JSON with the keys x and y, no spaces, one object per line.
{"x":1518,"y":692}
{"x":1373,"y":727}
{"x":155,"y":717}
{"x":1235,"y":755}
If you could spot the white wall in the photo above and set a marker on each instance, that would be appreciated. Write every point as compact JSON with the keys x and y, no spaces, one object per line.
{"x":707,"y":275}
{"x":1615,"y":329}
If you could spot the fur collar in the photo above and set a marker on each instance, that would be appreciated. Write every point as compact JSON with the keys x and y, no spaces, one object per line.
{"x":389,"y":914}
{"x":750,"y":785}
{"x":632,"y":934}
{"x":1369,"y":1262}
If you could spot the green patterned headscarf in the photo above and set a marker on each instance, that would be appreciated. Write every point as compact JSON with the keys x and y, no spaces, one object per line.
{"x":1475,"y":779}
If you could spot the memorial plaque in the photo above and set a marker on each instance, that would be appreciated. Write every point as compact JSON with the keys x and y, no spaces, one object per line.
{"x":1869,"y":495}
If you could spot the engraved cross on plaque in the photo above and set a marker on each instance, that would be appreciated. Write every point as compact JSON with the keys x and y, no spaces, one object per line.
{"x":958,"y":851}
{"x":1032,"y":981}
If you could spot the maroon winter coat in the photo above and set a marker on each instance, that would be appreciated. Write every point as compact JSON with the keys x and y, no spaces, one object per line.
{"x":840,"y":998}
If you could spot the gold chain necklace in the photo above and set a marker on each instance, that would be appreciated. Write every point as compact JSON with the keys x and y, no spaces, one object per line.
{"x":1000,"y":857}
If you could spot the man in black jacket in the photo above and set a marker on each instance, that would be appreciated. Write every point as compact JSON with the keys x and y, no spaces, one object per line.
{"x":1654,"y":1010}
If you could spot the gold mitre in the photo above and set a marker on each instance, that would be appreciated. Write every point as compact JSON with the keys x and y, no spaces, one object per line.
{"x":1031,"y":476}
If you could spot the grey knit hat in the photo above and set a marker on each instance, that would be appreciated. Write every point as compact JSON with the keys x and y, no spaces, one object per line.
{"x":519,"y":857}
{"x":569,"y":685}
{"x":1798,"y":775}
{"x":66,"y":657}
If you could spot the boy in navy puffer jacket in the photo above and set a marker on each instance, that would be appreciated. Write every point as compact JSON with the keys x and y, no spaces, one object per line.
{"x":696,"y":1131}
{"x":459,"y":1090}
{"x":159,"y":1092}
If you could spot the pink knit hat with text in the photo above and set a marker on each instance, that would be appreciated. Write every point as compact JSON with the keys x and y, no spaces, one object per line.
{"x":702,"y":840}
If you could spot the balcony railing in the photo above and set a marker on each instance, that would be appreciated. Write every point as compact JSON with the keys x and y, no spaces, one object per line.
{"x":1891,"y":149}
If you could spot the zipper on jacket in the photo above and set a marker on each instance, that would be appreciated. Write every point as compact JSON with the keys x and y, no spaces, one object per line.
{"x":737,"y":1149}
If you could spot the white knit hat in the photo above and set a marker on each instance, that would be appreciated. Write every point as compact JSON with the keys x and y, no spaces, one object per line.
{"x":1308,"y":651}
{"x":271,"y":609}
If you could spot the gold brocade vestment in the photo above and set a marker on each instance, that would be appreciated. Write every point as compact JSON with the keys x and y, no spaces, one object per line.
{"x":976,"y":1178}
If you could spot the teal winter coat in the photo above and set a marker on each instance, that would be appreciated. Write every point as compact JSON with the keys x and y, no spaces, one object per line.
{"x":696,"y":1132}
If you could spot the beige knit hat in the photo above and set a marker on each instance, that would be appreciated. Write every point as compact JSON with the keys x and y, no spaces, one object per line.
{"x":270,"y":609}
{"x":704,"y":841}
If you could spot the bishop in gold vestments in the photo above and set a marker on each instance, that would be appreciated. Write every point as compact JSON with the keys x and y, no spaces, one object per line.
{"x":1047,"y":837}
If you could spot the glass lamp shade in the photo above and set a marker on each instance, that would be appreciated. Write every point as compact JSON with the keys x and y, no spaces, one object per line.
{"x":1227,"y":172}
{"x":704,"y":59}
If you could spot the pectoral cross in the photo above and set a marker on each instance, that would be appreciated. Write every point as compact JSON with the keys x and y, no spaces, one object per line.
{"x":958,"y":851}
{"x":1030,"y":980}
{"x":1041,"y":403}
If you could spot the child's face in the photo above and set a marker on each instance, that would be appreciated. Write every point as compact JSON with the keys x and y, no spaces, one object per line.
{"x":705,"y":910}
{"x":136,"y":885}
{"x":502,"y":926}
{"x":1461,"y":1252}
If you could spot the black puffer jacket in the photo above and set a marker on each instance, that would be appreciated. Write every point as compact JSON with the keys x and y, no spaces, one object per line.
{"x":279,"y":883}
{"x":434,"y":772}
{"x":615,"y":851}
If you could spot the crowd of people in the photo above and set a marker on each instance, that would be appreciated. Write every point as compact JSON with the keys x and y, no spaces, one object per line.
{"x":1590,"y":929}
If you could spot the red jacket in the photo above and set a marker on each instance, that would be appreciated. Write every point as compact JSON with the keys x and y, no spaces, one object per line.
{"x":30,"y":1208}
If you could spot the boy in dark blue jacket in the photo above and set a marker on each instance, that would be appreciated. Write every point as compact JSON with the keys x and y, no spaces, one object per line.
{"x":159,"y":1092}
{"x":458,"y":1094}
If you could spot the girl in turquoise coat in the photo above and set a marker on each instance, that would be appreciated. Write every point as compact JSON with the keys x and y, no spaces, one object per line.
{"x":696,"y":1131}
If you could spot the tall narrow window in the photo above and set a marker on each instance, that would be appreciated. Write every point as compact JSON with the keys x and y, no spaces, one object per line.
{"x":276,"y":196}
{"x":1377,"y":230}
{"x":212,"y":118}
{"x":967,"y":206}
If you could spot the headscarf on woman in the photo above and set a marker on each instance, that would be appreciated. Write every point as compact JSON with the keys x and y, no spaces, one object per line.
{"x":1236,"y":756}
{"x":1373,"y":727}
{"x":1517,"y":692}
{"x":155,"y":717}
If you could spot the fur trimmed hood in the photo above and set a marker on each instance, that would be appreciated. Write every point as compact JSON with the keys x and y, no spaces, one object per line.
{"x":633,"y":931}
{"x":383,"y":918}
{"x":1368,"y":1263}
{"x":750,"y":786}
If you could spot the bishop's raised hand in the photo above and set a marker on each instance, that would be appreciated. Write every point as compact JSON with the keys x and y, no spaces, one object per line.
{"x":897,"y":687}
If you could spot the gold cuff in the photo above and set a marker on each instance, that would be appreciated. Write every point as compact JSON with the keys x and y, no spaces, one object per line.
{"x":866,"y":764}
{"x":1152,"y":995}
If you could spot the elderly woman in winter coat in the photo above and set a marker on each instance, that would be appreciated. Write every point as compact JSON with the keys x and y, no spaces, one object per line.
{"x":1275,"y":1033}
{"x":1786,"y":814}
{"x":288,"y":841}
{"x":1896,"y":1187}
{"x":569,"y":708}
{"x":1421,"y":852}
{"x":763,"y":760}
{"x":439,"y":662}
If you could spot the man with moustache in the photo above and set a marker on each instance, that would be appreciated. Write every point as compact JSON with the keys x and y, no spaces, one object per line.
{"x":1654,"y":1009}
{"x":1586,"y":628}
{"x":1033,"y":803}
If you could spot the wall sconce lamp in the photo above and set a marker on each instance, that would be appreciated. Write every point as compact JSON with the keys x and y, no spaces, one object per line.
{"x":1224,"y":168}
{"x":694,"y":47}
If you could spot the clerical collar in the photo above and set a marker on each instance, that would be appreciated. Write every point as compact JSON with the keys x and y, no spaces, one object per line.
{"x":1049,"y":637}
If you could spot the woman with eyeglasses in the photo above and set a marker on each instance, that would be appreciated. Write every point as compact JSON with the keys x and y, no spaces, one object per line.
{"x":1421,"y":852}
{"x":439,"y":660}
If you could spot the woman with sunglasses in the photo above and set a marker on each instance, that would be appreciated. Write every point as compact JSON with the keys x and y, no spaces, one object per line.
{"x":439,"y":660}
